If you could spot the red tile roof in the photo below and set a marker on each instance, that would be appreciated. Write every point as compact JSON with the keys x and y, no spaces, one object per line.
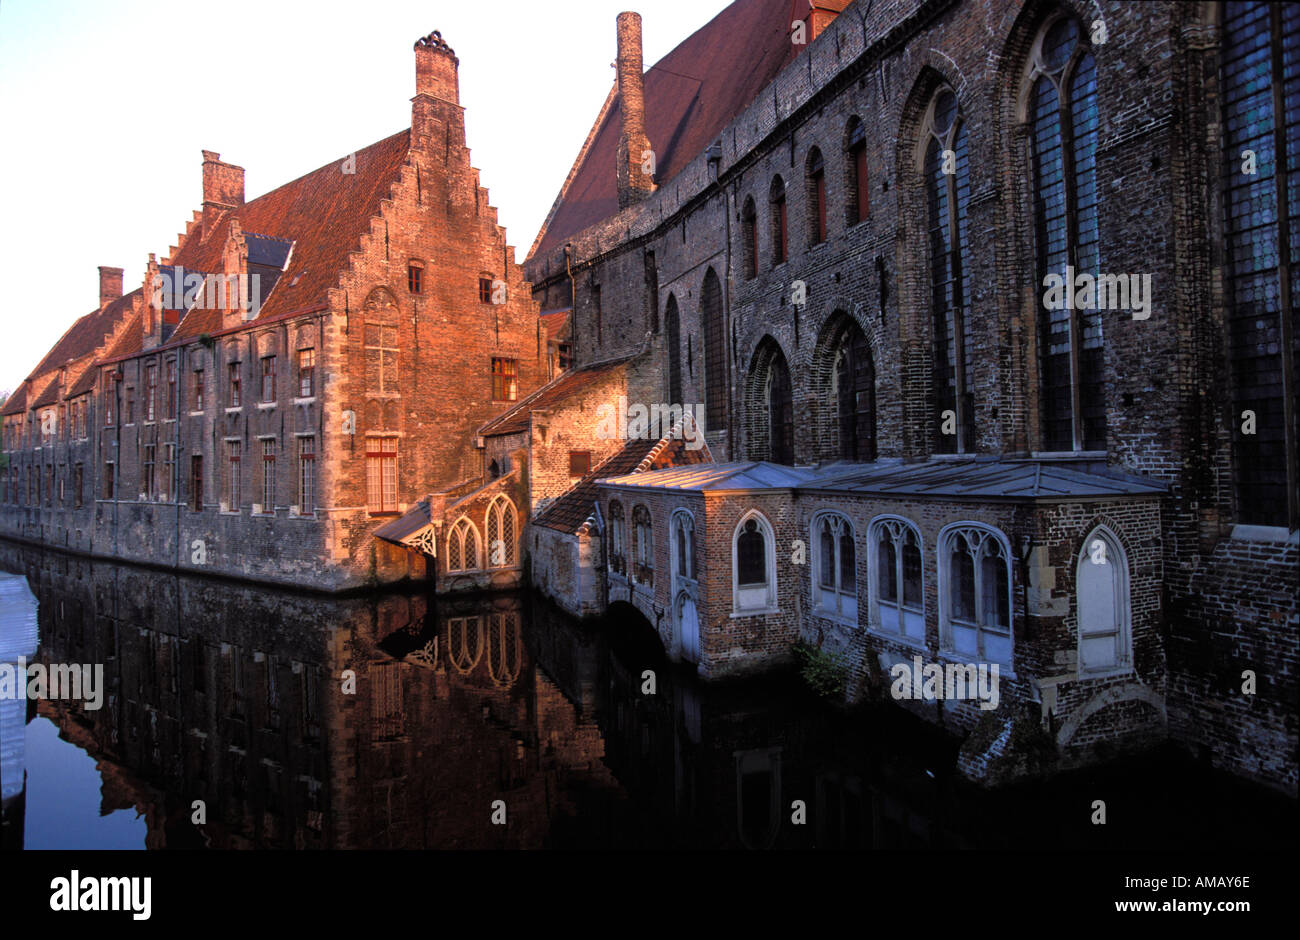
{"x":554,"y":322}
{"x":691,"y":94}
{"x":85,"y":335}
{"x":49,"y":396}
{"x":325,"y":213}
{"x":17,"y":403}
{"x":549,"y":395}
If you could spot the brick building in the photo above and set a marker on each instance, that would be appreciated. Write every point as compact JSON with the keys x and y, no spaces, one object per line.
{"x":297,"y":370}
{"x":852,"y":249}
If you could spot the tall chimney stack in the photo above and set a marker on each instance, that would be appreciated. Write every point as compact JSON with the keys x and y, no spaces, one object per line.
{"x":110,"y":285}
{"x":435,"y":110}
{"x":223,"y":189}
{"x":634,"y":183}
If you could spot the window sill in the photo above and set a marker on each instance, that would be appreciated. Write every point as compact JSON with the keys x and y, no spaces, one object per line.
{"x":1068,"y":454}
{"x":952,"y":656}
{"x":391,"y":512}
{"x":1125,"y":670}
{"x":304,"y":401}
{"x":899,"y":638}
{"x":265,"y":405}
{"x":754,"y":612}
{"x":834,"y":616}
{"x":197,"y":414}
{"x":234,"y":409}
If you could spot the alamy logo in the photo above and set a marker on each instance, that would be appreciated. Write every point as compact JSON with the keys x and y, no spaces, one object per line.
{"x":654,"y":422}
{"x":75,"y":893}
{"x":929,"y":681}
{"x":1101,"y":292}
{"x":181,"y":290}
{"x":57,"y":681}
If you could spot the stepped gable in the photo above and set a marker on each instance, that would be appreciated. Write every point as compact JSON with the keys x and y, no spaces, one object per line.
{"x":324,"y":214}
{"x":691,"y":94}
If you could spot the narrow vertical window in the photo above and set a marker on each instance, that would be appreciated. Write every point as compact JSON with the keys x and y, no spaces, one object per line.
{"x":948,"y":184}
{"x":414,"y":277}
{"x":232,"y":476}
{"x":169,"y":470}
{"x":856,"y":176}
{"x":381,"y":357}
{"x":171,"y":388}
{"x":198,"y":390}
{"x":776,"y":196}
{"x":196,"y":482}
{"x":749,"y":239}
{"x":306,"y":373}
{"x":816,"y":198}
{"x":381,"y":474}
{"x":306,"y":475}
{"x":1063,"y":136}
{"x":268,"y":474}
{"x":148,"y":489}
{"x":268,"y":378}
{"x":715,"y":352}
{"x":236,"y":398}
{"x":150,"y":391}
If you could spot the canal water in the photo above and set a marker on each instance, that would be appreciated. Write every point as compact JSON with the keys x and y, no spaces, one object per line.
{"x":235,"y":716}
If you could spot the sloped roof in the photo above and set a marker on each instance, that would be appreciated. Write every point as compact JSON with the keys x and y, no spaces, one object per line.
{"x":735,"y":475}
{"x":49,"y":395}
{"x":86,"y":334}
{"x":989,"y":479}
{"x":554,"y":321}
{"x":323,"y":213}
{"x":415,"y":519}
{"x":549,"y":395}
{"x":17,"y":403}
{"x":691,"y":94}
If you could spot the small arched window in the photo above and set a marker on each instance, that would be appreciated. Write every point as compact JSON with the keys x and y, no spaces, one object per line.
{"x":975,"y":592}
{"x":816,"y":197}
{"x":501,"y":533}
{"x":749,"y":238}
{"x":897,"y":604}
{"x":1102,"y":591}
{"x":617,"y":549}
{"x":462,"y":547}
{"x":855,"y":152}
{"x":683,"y":544}
{"x":643,"y":545}
{"x":780,"y":246}
{"x":835,"y":578}
{"x":753,"y":564}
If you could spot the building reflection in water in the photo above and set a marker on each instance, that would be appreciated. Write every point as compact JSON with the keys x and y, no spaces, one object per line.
{"x":392,"y":721}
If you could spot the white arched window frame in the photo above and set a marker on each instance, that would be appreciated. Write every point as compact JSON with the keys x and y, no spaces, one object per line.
{"x":462,"y":546}
{"x":643,"y":544}
{"x":682,"y":544}
{"x":895,"y":554}
{"x":834,"y":567}
{"x":1103,"y":604}
{"x":617,"y":551}
{"x":975,"y":615}
{"x":749,"y":594}
{"x":501,"y":547}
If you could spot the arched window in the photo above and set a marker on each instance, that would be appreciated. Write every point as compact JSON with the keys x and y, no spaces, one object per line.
{"x":855,"y":176}
{"x":835,"y":570}
{"x":1063,"y":134}
{"x":853,"y":387}
{"x":462,"y":547}
{"x":749,"y":239}
{"x":643,"y":544}
{"x":947,"y":180}
{"x":683,"y":544}
{"x":617,"y":549}
{"x":776,"y":196}
{"x":897,"y":603}
{"x":753,"y":565}
{"x":673,"y":326}
{"x":715,"y":352}
{"x":975,"y":592}
{"x":816,"y":171}
{"x":501,"y":533}
{"x":1260,"y":115}
{"x":1102,"y":592}
{"x":770,"y":405}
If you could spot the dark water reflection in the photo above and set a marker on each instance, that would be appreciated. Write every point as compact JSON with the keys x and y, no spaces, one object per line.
{"x":235,"y":696}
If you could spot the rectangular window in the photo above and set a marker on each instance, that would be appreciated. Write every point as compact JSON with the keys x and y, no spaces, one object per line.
{"x":381,"y":357}
{"x":233,"y":372}
{"x":414,"y":275}
{"x":198,"y":390}
{"x":77,"y":480}
{"x":108,"y":401}
{"x":268,"y":475}
{"x":485,"y":290}
{"x":306,"y":373}
{"x":232,"y":475}
{"x":505,"y":379}
{"x":169,"y":471}
{"x":819,"y":206}
{"x":171,"y":388}
{"x":579,"y":463}
{"x":861,"y":206}
{"x":151,"y":391}
{"x":108,"y":482}
{"x":268,"y":378}
{"x":148,"y":487}
{"x":49,"y":484}
{"x":196,"y":482}
{"x":381,"y":474}
{"x":130,"y":404}
{"x":306,"y":475}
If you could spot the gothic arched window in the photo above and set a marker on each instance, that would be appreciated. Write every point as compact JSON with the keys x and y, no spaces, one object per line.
{"x":835,"y":577}
{"x":501,"y":533}
{"x":975,"y":592}
{"x":753,"y":565}
{"x":715,"y":352}
{"x":643,"y":545}
{"x":780,"y":244}
{"x":462,"y":546}
{"x":816,"y":171}
{"x":617,"y":549}
{"x":947,"y":179}
{"x":897,"y":603}
{"x":855,"y":152}
{"x":1063,"y":135}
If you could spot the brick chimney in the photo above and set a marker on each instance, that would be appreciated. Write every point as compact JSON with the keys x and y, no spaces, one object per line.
{"x":820,"y":14}
{"x":634,"y":184}
{"x":110,"y":285}
{"x":435,"y":110}
{"x":223,"y":189}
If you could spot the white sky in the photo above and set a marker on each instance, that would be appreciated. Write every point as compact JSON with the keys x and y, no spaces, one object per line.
{"x":104,"y":109}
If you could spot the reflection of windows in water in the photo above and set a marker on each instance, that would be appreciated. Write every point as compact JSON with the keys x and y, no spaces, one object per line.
{"x":504,"y":651}
{"x":387,"y":719}
{"x":464,"y":642}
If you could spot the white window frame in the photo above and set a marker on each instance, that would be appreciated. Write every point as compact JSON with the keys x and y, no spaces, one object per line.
{"x":905,"y":629}
{"x":946,"y":643}
{"x":758,"y":598}
{"x":834,"y":603}
{"x":682,"y":519}
{"x":459,"y":535}
{"x":1118,"y":558}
